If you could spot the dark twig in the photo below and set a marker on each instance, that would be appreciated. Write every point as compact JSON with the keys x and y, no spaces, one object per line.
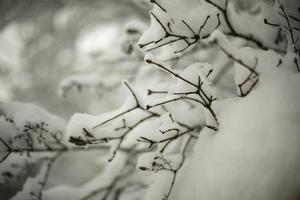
{"x":175,"y":171}
{"x":206,"y":100}
{"x":47,"y":173}
{"x":124,"y":112}
{"x":232,"y":30}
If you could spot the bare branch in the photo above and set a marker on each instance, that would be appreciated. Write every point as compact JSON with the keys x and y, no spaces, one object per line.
{"x":124,"y":112}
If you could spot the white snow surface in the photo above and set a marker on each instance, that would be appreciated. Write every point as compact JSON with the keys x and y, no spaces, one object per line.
{"x":255,"y":154}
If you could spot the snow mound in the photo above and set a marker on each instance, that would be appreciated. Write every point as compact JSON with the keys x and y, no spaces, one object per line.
{"x":255,"y":155}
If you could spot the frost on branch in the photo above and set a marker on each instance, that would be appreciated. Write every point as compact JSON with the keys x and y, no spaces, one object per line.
{"x":124,"y":128}
{"x":33,"y":187}
{"x":197,"y":92}
{"x":211,"y":112}
{"x":28,"y":127}
{"x":181,"y":30}
{"x":288,"y":27}
{"x":245,"y":63}
{"x":28,"y":135}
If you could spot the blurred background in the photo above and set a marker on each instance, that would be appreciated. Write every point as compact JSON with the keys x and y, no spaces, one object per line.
{"x":57,"y":54}
{"x":71,"y":56}
{"x":43,"y":43}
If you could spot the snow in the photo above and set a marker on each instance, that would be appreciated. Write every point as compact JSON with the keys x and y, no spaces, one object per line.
{"x":16,"y":166}
{"x":253,"y":154}
{"x":100,"y":125}
{"x":13,"y":118}
{"x":250,"y":157}
{"x":26,"y":126}
{"x":21,"y":113}
{"x":248,"y":24}
{"x":32,"y":186}
{"x":112,"y":170}
{"x":176,"y":12}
